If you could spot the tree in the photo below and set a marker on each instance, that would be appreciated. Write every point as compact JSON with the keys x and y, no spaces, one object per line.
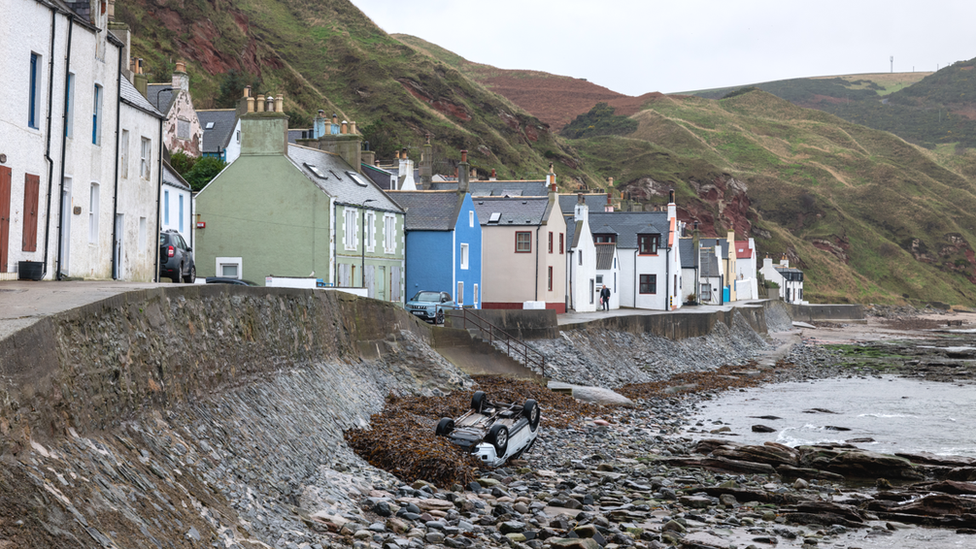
{"x":203,"y":171}
{"x":182,"y":162}
{"x":232,"y":88}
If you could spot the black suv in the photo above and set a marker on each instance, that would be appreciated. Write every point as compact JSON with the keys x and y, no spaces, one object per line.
{"x":176,"y":258}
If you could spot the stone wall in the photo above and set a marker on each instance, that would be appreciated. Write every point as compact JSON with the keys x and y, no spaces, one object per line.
{"x":810,"y":313}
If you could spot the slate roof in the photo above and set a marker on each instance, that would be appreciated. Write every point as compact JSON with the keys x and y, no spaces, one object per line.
{"x":628,"y":225}
{"x":295,"y":134}
{"x":338,"y":179}
{"x":595,"y":202}
{"x":379,"y":176}
{"x":709,"y":264}
{"x":686,"y":247}
{"x":224,"y":121}
{"x":524,"y":211}
{"x":604,"y":256}
{"x":498,"y":188}
{"x":722,"y":243}
{"x":429,"y":210}
{"x":172,"y":178}
{"x":131,"y":96}
{"x":165,"y":97}
{"x":577,"y":232}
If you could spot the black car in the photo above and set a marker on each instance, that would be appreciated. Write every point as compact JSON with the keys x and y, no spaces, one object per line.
{"x":176,"y":258}
{"x":228,"y":280}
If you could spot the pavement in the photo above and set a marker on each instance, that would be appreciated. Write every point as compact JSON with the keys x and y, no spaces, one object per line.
{"x":577,"y":318}
{"x":24,"y":302}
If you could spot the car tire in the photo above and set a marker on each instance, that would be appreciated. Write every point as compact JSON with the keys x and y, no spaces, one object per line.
{"x":439,"y":317}
{"x":444,"y":427}
{"x":191,"y":277}
{"x":478,"y":401}
{"x":178,"y":276}
{"x":531,"y":412}
{"x":498,"y":437}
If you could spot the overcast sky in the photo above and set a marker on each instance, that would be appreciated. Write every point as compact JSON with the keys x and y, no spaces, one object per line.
{"x":639,"y":46}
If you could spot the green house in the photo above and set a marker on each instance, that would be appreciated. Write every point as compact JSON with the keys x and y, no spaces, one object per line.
{"x":293,"y":210}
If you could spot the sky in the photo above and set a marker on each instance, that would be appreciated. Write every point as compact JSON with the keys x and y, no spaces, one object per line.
{"x":639,"y":46}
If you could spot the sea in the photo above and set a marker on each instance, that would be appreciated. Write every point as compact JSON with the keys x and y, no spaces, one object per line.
{"x":885,"y":413}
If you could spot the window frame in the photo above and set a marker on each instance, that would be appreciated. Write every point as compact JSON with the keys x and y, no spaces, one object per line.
{"x":124,"y":153}
{"x":34,"y":97}
{"x":349,"y":228}
{"x":648,"y":244}
{"x":464,"y":256}
{"x":527,"y":242}
{"x":227,"y":261}
{"x":562,"y":241}
{"x":550,"y":277}
{"x":550,"y":241}
{"x":94,"y":207}
{"x":145,"y":158}
{"x":648,"y":287}
{"x":389,"y":233}
{"x":96,"y":115}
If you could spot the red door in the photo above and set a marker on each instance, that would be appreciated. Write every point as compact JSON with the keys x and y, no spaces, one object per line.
{"x":32,"y":184}
{"x":4,"y":216}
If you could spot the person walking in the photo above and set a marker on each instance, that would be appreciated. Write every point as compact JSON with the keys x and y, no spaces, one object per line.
{"x":605,"y":297}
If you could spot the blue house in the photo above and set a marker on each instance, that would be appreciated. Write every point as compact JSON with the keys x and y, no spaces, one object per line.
{"x":443,"y":243}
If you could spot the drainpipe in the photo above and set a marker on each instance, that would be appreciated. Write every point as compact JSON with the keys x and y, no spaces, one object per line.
{"x":159,"y":192}
{"x":47,"y":149}
{"x":64,"y":142}
{"x":117,"y":261}
{"x":636,"y":280}
{"x":537,"y":254}
{"x":569,"y":271}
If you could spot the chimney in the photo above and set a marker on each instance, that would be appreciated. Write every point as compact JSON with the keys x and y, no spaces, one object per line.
{"x":609,"y":207}
{"x":280,"y":103}
{"x":352,"y":127}
{"x":551,"y":179}
{"x":609,"y":182}
{"x":140,"y":81}
{"x":259,"y":103}
{"x":344,"y":128}
{"x":582,"y":211}
{"x":334,"y":130}
{"x":181,"y":80}
{"x":318,"y":125}
{"x":672,"y":208}
{"x":784,"y":262}
{"x":249,"y":99}
{"x":427,"y":164}
{"x":269,"y":103}
{"x":492,"y":178}
{"x":406,"y":172}
{"x":462,"y":171}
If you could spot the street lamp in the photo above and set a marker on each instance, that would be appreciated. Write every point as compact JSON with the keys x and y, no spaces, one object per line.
{"x":159,"y":91}
{"x":362,"y":248}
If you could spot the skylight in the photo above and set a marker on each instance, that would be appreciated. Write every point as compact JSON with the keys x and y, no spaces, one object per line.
{"x":210,"y":126}
{"x":355,"y":177}
{"x":316,"y":171}
{"x":495,"y":217}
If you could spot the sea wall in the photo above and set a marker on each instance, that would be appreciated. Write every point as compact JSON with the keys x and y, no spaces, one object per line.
{"x":812,"y":312}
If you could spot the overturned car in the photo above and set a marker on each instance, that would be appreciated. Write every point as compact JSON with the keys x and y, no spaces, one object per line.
{"x":493,"y":431}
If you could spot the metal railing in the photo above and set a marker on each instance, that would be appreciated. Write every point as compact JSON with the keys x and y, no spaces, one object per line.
{"x":515,"y":347}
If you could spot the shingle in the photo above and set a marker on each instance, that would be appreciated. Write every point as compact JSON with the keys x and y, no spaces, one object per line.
{"x":165,"y":98}
{"x":217,"y":137}
{"x":339,"y":180}
{"x":512,"y":211}
{"x":172,"y":178}
{"x":627,"y":225}
{"x":595,"y":203}
{"x":132,"y":96}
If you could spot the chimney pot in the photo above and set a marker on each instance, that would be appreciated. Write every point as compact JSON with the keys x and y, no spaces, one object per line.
{"x":344,"y":128}
{"x":610,"y":182}
{"x":280,"y":103}
{"x":259,"y":104}
{"x":247,"y":91}
{"x":269,"y":106}
{"x":352,"y":127}
{"x":180,"y":66}
{"x":464,"y":155}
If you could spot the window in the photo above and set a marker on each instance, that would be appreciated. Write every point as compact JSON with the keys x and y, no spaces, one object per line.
{"x":96,"y":115}
{"x":550,"y":278}
{"x":34,"y":100}
{"x":581,"y":257}
{"x":592,"y":291}
{"x":599,"y":279}
{"x":648,"y":243}
{"x":350,"y":228}
{"x":124,"y":154}
{"x":471,"y":219}
{"x":648,"y":284}
{"x":93,"y":214}
{"x":145,"y":163}
{"x":523,"y":242}
{"x":464,"y":257}
{"x":69,"y":124}
{"x":142,"y":236}
{"x":180,"y":222}
{"x":550,"y":241}
{"x":230,"y":267}
{"x":166,"y":207}
{"x":561,"y":238}
{"x":370,"y":231}
{"x":460,"y":293}
{"x":182,"y":129}
{"x":604,"y":238}
{"x":389,"y":233}
{"x":474,"y":296}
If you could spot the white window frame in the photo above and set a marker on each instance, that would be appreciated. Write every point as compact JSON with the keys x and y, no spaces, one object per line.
{"x":371,"y":231}
{"x":350,"y":225}
{"x":145,"y":159}
{"x":474,"y":296}
{"x":460,"y":293}
{"x":464,"y":257}
{"x":93,"y":212}
{"x":389,"y":233}
{"x":97,"y":115}
{"x":471,"y":218}
{"x":69,"y":126}
{"x":222,"y":262}
{"x":124,"y":154}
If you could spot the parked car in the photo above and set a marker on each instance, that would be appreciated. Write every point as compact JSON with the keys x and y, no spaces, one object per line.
{"x":493,"y":431}
{"x":430,"y":306}
{"x":176,"y":258}
{"x":228,"y":280}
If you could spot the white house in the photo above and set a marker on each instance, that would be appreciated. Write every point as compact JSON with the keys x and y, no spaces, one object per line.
{"x":175,"y":204}
{"x":65,"y":207}
{"x":746,"y":286}
{"x":790,"y":280}
{"x":584,"y":293}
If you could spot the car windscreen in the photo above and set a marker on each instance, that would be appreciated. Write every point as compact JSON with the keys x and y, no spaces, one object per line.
{"x":427,"y":297}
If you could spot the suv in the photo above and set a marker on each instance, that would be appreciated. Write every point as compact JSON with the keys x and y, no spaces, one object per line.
{"x":176,"y":258}
{"x":430,"y":306}
{"x":493,"y":431}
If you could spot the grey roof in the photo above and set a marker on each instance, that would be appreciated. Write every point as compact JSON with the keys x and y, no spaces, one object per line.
{"x":131,"y":96}
{"x":338,"y":179}
{"x":429,"y":210}
{"x":709,"y":264}
{"x":577,"y":233}
{"x":782,"y":269}
{"x":165,"y":97}
{"x":498,"y":188}
{"x":595,"y":202}
{"x":628,"y":225}
{"x":379,"y":176}
{"x":686,"y":248}
{"x":224,"y":121}
{"x":295,"y":134}
{"x":604,"y":255}
{"x":172,"y":178}
{"x":529,"y":210}
{"x":722,"y":243}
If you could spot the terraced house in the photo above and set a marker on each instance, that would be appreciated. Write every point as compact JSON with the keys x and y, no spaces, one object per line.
{"x":296,"y":210}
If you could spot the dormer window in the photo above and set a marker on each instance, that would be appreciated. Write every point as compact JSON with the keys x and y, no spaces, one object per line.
{"x":647,"y":244}
{"x":605,"y":238}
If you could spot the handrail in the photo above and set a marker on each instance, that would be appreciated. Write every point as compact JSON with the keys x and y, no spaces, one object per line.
{"x":523,"y":352}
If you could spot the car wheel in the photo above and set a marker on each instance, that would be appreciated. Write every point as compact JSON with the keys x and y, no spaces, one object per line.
{"x":498,"y":437}
{"x":191,"y":276}
{"x":478,"y":401}
{"x":439,"y":318}
{"x":531,"y":412}
{"x":178,"y":276}
{"x":444,"y":427}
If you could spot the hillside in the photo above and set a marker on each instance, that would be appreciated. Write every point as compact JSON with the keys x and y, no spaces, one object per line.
{"x":326,"y":54}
